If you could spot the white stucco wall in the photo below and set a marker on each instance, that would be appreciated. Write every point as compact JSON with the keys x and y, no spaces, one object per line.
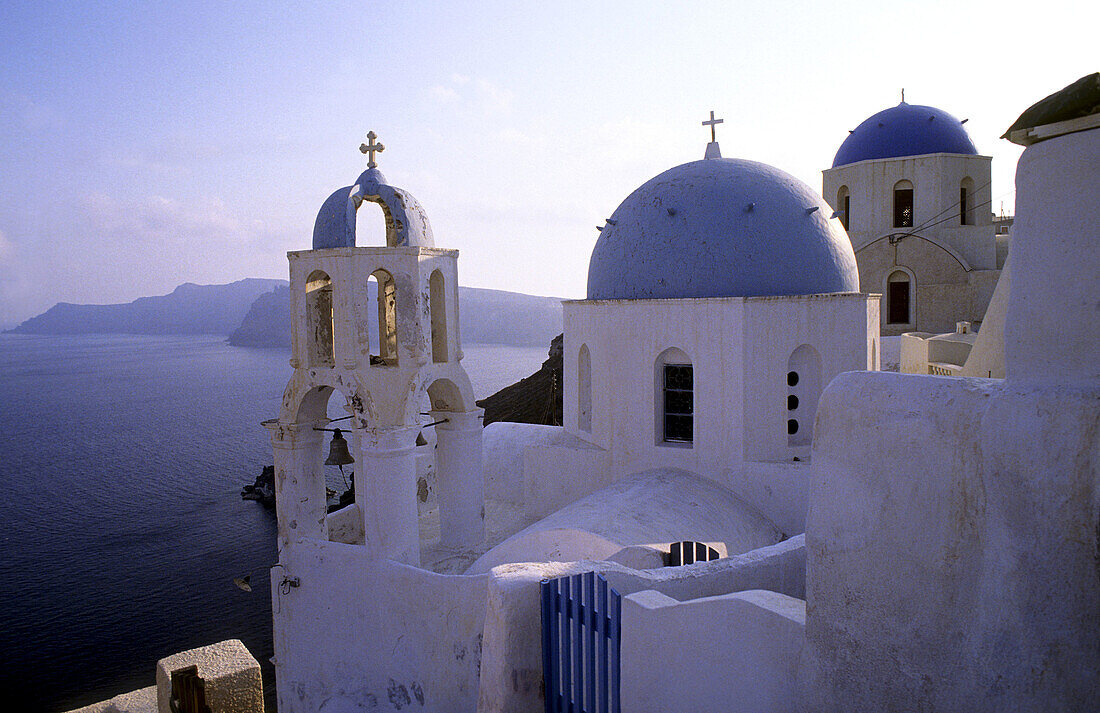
{"x":503,"y":446}
{"x":954,"y":523}
{"x":732,"y":653}
{"x":987,"y":358}
{"x":840,"y":328}
{"x":739,"y":350}
{"x":374,"y":633}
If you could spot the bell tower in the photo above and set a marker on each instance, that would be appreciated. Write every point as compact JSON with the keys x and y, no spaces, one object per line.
{"x":388,"y":348}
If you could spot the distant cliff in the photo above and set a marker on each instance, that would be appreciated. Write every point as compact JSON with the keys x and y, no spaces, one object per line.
{"x":536,"y":399}
{"x":189,"y":309}
{"x":485,"y":316}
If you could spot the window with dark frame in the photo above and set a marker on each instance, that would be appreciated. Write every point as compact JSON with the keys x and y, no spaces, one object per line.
{"x":846,"y":216}
{"x":897,"y":298}
{"x":962,"y":205}
{"x":903,"y":207}
{"x":679,"y":403}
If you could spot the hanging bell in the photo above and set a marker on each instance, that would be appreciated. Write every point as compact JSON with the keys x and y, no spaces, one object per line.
{"x":338,"y":453}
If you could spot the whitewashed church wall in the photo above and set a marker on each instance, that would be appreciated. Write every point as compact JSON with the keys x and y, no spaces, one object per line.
{"x":835,"y":326}
{"x":625,"y":338}
{"x":361,"y":633}
{"x":732,"y":653}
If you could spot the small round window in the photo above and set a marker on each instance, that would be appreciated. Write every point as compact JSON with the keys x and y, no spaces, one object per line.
{"x":792,"y":426}
{"x":792,"y":402}
{"x":792,"y":378}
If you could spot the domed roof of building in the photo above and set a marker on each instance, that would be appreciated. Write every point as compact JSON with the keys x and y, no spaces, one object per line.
{"x":905,"y":130}
{"x":721,"y":228}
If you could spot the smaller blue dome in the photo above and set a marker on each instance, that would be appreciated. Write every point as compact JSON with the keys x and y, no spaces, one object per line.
{"x":905,"y":130}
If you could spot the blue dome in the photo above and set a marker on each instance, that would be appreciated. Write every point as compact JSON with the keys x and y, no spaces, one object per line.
{"x":721,"y":228}
{"x":905,"y":130}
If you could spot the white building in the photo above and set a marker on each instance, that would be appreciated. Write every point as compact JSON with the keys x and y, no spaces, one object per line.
{"x":951,"y":525}
{"x":913,"y":192}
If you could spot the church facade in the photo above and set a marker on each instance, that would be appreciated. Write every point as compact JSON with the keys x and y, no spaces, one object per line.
{"x":913,"y":193}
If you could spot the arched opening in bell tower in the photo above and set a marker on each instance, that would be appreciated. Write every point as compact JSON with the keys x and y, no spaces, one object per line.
{"x":319,"y":319}
{"x":372,"y":222}
{"x":386,"y":295}
{"x":437,"y":297}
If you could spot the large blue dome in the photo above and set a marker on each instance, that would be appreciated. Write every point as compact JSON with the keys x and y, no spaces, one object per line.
{"x":721,"y":228}
{"x":905,"y":130}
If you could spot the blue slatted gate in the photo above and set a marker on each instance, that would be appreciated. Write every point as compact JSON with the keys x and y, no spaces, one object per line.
{"x":581,"y":617}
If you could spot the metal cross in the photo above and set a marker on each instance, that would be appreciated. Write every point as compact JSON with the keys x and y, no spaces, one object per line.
{"x":711,"y":124}
{"x":371,"y":148}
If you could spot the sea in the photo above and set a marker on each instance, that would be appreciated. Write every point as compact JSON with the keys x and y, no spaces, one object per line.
{"x":122,"y":527}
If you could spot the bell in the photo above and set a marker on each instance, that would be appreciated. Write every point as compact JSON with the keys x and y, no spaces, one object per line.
{"x":338,"y":453}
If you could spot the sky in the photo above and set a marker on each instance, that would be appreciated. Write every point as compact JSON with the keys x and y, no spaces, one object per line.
{"x":143,"y":145}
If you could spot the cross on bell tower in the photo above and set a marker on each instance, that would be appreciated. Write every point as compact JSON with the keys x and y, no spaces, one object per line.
{"x":371,"y":148}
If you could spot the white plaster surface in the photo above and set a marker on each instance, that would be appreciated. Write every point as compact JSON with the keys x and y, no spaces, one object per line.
{"x":230,"y":673}
{"x":739,"y":350}
{"x":954,"y":523}
{"x":658,"y":506}
{"x":987,"y":358}
{"x":503,"y":446}
{"x":373,"y":633}
{"x":1052,"y":330}
{"x":731,"y":653}
{"x":346,"y":525}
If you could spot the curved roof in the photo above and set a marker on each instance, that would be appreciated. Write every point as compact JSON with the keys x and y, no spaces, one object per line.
{"x":406,"y":222}
{"x":721,"y":228}
{"x":905,"y":130}
{"x":646,"y":509}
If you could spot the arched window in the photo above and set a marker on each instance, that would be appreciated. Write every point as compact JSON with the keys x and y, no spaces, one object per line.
{"x":903,"y":204}
{"x":899,"y":297}
{"x":966,"y":202}
{"x":438,"y":306}
{"x":319,"y":319}
{"x":844,"y":207}
{"x":584,"y":390}
{"x":372,"y":221}
{"x":387,"y":318}
{"x":675,"y":397}
{"x":803,"y":393}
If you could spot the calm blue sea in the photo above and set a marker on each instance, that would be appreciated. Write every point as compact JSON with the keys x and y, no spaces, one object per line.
{"x":121,"y":523}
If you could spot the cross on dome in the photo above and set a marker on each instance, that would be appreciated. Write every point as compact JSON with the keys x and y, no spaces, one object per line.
{"x":712,"y":124}
{"x":371,"y":148}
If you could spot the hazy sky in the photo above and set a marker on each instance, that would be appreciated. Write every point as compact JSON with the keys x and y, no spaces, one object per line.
{"x":147,"y":144}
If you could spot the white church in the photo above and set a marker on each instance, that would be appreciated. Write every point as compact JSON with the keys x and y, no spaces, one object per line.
{"x":867,"y":541}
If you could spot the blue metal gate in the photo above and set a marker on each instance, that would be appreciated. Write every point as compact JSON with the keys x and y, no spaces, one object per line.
{"x":581,"y":617}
